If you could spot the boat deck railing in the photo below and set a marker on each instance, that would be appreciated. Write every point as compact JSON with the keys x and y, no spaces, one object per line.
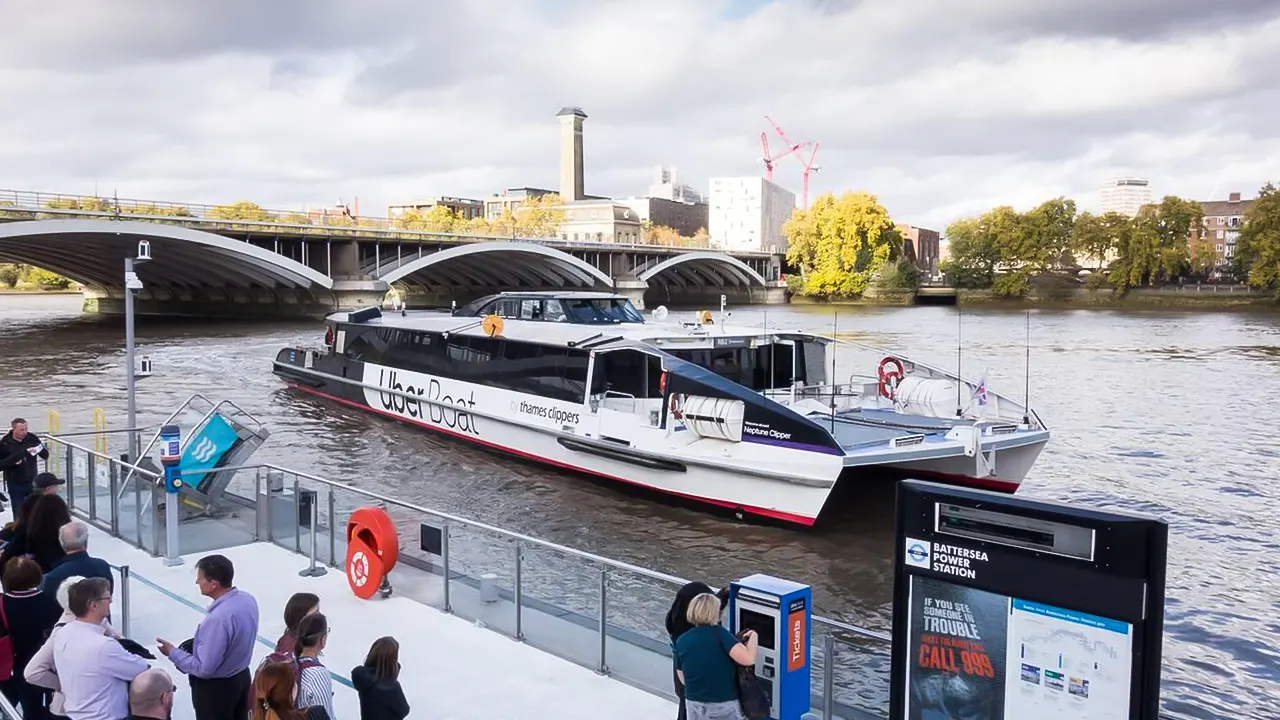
{"x":603,"y":613}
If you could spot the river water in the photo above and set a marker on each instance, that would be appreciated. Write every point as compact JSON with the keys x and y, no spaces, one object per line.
{"x":1173,"y":414}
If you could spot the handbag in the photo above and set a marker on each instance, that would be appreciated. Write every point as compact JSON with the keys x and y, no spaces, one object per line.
{"x":6,"y":646}
{"x":752,"y":695}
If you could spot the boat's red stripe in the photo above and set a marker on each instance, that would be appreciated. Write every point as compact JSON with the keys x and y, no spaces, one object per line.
{"x":765,"y":512}
{"x":989,"y":483}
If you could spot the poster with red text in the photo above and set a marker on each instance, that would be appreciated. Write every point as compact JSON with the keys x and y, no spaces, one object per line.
{"x":956,"y":666}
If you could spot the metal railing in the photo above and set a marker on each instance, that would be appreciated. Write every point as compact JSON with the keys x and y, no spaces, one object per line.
{"x":84,"y":485}
{"x":7,"y":710}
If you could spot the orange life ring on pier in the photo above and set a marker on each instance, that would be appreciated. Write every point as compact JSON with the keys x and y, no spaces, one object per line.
{"x":372,"y":550}
{"x":890,"y":376}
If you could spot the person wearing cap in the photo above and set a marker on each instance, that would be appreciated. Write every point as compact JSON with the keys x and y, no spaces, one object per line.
{"x":74,"y":537}
{"x":46,"y":483}
{"x":19,"y":450}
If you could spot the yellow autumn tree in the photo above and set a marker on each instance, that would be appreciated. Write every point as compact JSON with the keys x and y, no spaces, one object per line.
{"x":840,"y":244}
{"x":243,"y":210}
{"x":539,"y":217}
{"x":437,"y":218}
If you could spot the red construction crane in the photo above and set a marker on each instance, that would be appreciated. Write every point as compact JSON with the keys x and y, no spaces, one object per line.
{"x":809,"y":167}
{"x":768,"y":159}
{"x":792,"y":148}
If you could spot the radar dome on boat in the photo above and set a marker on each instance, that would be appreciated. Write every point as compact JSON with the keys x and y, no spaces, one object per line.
{"x":660,"y":312}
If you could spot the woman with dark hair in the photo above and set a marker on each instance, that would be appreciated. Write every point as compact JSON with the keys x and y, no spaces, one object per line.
{"x":276,"y":694}
{"x":299,"y":606}
{"x":13,"y":538}
{"x":377,"y":682}
{"x":315,"y":686}
{"x":47,"y":518}
{"x":26,"y":616}
{"x":678,"y":624}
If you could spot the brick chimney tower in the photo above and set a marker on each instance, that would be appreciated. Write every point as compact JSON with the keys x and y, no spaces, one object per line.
{"x":572,"y":186}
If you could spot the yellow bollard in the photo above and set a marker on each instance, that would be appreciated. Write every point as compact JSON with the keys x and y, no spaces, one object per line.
{"x":55,"y":449}
{"x":100,"y":431}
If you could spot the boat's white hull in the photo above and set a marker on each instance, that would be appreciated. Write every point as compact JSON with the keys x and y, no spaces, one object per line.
{"x":737,"y":477}
{"x":1007,"y":468}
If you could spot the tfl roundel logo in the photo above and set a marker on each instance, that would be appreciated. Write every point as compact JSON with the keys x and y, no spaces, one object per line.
{"x":917,"y":553}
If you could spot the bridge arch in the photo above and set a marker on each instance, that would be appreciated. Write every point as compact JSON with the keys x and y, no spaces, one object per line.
{"x":496,"y":266}
{"x":92,"y":253}
{"x":700,"y":270}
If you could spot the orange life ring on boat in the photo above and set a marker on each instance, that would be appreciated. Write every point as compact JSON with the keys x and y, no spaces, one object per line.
{"x":890,"y":376}
{"x":328,"y":336}
{"x":372,"y":550}
{"x":675,"y":407}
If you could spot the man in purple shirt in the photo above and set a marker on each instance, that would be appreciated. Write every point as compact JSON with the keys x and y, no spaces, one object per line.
{"x":218,"y":663}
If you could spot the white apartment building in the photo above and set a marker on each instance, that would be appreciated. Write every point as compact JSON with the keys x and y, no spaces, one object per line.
{"x":747,"y":213}
{"x":1125,"y":195}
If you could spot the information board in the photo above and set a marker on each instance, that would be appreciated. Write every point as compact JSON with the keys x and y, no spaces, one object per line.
{"x":1012,"y":608}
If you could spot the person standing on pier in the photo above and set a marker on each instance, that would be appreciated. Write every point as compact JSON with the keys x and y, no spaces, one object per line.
{"x":19,"y":449}
{"x":218,"y":663}
{"x":678,"y":623}
{"x":93,"y":669}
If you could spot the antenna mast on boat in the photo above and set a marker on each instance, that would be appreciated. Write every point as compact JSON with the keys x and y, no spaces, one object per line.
{"x":1026,"y":387}
{"x":959,"y":358}
{"x":835,"y":325}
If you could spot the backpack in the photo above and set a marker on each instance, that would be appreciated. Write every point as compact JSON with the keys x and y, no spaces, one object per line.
{"x":299,"y":664}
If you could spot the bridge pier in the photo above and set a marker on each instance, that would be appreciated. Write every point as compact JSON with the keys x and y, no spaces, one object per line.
{"x":633,"y":289}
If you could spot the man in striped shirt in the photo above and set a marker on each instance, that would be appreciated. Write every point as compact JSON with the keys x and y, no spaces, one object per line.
{"x":218,"y":663}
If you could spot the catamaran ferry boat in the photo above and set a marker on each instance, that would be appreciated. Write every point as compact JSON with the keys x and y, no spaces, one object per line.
{"x":762,"y":421}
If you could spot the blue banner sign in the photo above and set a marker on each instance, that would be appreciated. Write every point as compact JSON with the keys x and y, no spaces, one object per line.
{"x":205,"y":450}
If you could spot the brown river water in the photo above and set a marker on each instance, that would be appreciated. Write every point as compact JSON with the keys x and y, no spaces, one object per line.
{"x":1173,"y":414}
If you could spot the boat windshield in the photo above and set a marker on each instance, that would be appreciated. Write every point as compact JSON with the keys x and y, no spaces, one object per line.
{"x":593,"y":311}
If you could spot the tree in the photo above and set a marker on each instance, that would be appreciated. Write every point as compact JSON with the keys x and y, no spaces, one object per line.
{"x":437,"y":218}
{"x":701,"y":238}
{"x":1156,"y":249}
{"x":1046,"y":235}
{"x":662,"y":235}
{"x":1258,"y":249}
{"x":1203,"y":258}
{"x":243,"y":210}
{"x":45,"y":279}
{"x":974,"y":255}
{"x":1095,"y":238}
{"x":839,"y":244}
{"x":10,"y":275}
{"x":540,"y":217}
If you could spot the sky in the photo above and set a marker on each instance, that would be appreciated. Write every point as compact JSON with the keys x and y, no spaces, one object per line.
{"x":941,"y":108}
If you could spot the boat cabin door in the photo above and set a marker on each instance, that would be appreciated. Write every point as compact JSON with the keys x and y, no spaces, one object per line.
{"x":625,"y":392}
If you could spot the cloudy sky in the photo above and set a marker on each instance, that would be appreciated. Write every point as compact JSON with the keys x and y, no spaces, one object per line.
{"x":941,"y":107}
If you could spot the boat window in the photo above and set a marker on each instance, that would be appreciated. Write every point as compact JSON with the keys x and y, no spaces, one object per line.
{"x":597,"y":311}
{"x":552,"y":311}
{"x":760,"y":368}
{"x":629,"y":373}
{"x":813,"y":360}
{"x":551,"y":372}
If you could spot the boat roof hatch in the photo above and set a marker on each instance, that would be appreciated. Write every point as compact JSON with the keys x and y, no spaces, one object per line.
{"x":364,"y":314}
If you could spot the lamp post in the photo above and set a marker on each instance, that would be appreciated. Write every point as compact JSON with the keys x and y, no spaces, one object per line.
{"x":132,"y":284}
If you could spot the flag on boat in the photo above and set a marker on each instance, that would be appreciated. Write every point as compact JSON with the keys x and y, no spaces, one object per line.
{"x":980,"y":393}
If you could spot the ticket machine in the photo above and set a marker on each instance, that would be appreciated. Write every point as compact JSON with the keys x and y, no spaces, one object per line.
{"x":779,"y":611}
